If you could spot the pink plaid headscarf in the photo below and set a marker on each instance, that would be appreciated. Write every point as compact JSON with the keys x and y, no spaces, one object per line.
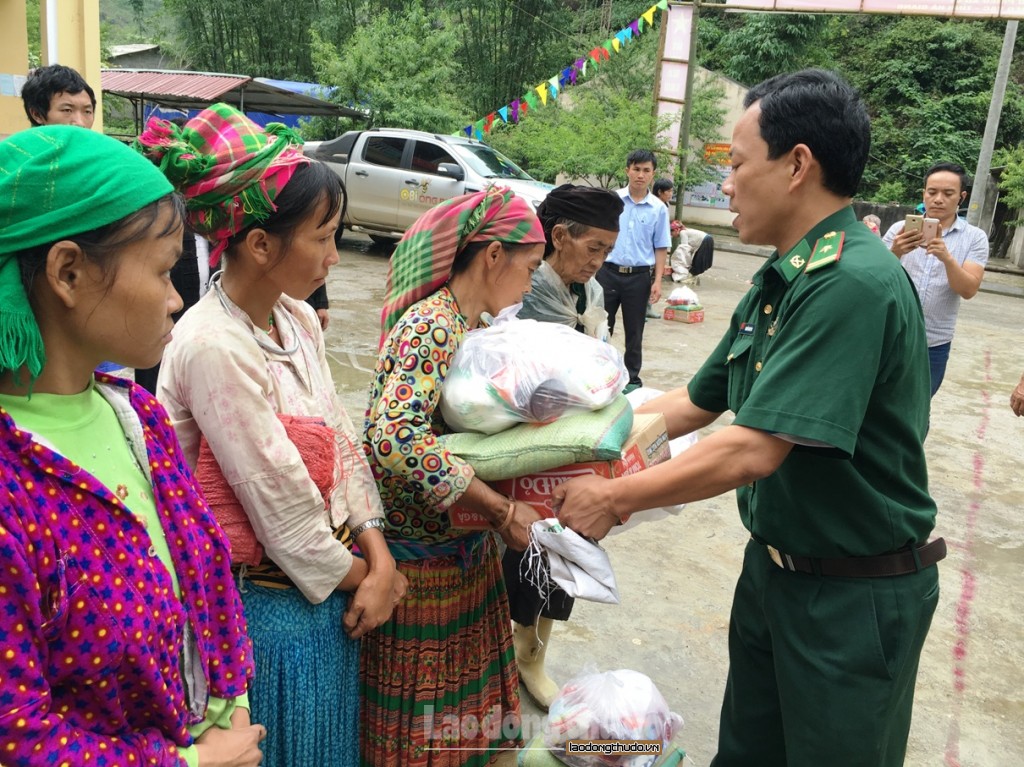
{"x":229,"y":169}
{"x":422,"y":261}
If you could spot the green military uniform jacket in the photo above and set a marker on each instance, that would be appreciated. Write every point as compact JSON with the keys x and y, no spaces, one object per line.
{"x":828,"y":348}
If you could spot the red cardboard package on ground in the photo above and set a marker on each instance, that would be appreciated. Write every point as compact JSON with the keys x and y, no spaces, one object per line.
{"x":647,"y":445}
{"x":684,"y":313}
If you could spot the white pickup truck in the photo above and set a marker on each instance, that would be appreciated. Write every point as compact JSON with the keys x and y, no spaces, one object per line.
{"x":393,"y":175}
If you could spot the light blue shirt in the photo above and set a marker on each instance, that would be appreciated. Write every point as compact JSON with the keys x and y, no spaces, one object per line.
{"x":939,"y":301}
{"x":643,"y":227}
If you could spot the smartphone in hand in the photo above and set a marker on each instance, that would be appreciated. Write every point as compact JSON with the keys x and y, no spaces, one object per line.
{"x":913,"y":223}
{"x":929,"y":230}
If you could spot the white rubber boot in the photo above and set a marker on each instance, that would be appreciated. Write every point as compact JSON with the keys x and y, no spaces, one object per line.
{"x":531,"y":643}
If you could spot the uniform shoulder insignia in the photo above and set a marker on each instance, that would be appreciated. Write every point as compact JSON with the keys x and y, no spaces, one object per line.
{"x":794,"y":262}
{"x":826,"y":251}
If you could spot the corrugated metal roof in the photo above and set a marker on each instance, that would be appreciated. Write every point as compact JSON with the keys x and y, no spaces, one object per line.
{"x":191,"y":85}
{"x":195,"y":90}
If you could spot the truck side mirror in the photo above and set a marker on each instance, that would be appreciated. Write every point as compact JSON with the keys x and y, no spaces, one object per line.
{"x":452,"y":170}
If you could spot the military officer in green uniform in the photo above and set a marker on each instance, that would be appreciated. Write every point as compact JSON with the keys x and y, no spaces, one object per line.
{"x":825,"y":367}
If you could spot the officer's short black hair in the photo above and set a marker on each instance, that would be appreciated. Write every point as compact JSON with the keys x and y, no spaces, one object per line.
{"x":818,"y":108}
{"x":44,"y":83}
{"x":950,"y":167}
{"x":638,"y":156}
{"x":661,"y":185}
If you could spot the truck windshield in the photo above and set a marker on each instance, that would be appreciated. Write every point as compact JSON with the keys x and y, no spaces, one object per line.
{"x":489,"y":163}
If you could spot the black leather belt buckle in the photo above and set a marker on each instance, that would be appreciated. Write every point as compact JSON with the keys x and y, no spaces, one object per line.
{"x":904,"y":562}
{"x":627,"y":269}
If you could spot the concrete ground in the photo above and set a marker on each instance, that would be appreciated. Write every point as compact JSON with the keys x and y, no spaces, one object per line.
{"x":676,"y":576}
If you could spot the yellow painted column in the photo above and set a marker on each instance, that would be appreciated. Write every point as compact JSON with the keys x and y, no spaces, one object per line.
{"x":13,"y":66}
{"x":77,"y":44}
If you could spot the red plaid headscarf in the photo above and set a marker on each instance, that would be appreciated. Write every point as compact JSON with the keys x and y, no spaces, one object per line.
{"x":422,"y":261}
{"x":229,"y":169}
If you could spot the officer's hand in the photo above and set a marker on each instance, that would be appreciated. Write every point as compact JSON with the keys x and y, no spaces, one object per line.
{"x":585,"y":504}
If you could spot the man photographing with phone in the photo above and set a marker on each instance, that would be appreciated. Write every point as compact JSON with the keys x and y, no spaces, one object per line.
{"x":946,"y":267}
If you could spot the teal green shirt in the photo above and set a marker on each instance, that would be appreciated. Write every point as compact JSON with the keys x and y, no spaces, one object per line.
{"x":831,"y":354}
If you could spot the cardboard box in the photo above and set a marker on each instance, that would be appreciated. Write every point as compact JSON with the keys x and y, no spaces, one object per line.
{"x":646,"y":445}
{"x":682,"y":313}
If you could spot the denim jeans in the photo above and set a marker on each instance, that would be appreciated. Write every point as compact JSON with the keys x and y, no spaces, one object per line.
{"x":938,"y":356}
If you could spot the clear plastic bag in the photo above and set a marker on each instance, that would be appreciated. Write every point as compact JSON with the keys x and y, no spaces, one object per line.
{"x":612,"y":705}
{"x":525,"y":371}
{"x":683,"y":296}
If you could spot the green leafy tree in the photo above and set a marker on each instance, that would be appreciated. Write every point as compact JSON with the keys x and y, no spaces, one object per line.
{"x":927,"y":83}
{"x":506,"y":45}
{"x":769,"y":43}
{"x":32,"y":28}
{"x":590,"y":130}
{"x":266,"y":38}
{"x":398,"y":67}
{"x":1011,"y":181}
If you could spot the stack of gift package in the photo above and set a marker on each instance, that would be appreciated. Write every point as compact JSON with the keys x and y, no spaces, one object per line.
{"x":683,"y":306}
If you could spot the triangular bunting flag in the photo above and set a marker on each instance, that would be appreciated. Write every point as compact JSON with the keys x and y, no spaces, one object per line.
{"x":648,"y":16}
{"x":566,"y":77}
{"x":579,"y":69}
{"x":553,"y":82}
{"x":468,"y":130}
{"x":611,"y":45}
{"x":542,"y":91}
{"x":663,"y":5}
{"x":478,"y":129}
{"x":514,"y":111}
{"x":635,"y":26}
{"x":488,"y":122}
{"x":616,"y":43}
{"x":503,"y":114}
{"x":531,"y":102}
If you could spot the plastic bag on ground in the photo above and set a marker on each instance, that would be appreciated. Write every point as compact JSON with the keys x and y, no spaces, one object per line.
{"x":612,"y":705}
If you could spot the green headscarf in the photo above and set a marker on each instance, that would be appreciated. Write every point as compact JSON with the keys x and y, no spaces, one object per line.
{"x":57,"y":181}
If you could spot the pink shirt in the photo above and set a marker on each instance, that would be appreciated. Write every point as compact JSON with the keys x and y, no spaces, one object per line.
{"x":224,"y":379}
{"x":91,"y":634}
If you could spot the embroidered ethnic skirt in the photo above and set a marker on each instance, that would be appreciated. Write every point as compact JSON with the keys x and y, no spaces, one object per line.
{"x":306,"y":689}
{"x":439,"y":680}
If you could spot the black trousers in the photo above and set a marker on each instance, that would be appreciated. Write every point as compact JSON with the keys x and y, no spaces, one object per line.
{"x":185,"y":278}
{"x":631,"y":292}
{"x":525,"y":604}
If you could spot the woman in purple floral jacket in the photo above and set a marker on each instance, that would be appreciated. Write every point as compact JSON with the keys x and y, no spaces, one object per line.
{"x":122,"y":640}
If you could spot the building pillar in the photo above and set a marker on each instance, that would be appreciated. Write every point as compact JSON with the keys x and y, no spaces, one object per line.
{"x":13,"y":66}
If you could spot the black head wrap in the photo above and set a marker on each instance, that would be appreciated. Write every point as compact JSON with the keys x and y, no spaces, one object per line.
{"x":586,"y":205}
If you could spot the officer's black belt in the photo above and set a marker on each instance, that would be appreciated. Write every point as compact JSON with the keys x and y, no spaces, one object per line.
{"x":628,"y":269}
{"x":902,"y":562}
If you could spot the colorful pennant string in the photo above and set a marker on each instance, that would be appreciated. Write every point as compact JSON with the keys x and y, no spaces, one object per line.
{"x":517,"y":109}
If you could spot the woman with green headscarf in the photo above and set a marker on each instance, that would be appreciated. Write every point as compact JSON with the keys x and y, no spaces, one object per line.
{"x":122,"y":635}
{"x":439,"y":679}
